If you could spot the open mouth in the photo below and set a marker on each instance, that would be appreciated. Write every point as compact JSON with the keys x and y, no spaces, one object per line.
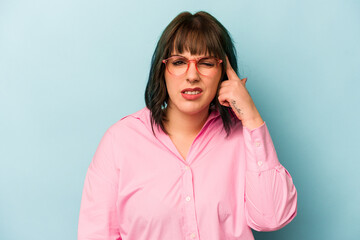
{"x":192,"y":92}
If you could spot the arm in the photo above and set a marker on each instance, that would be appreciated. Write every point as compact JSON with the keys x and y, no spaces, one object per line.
{"x":98,"y":214}
{"x":270,"y":195}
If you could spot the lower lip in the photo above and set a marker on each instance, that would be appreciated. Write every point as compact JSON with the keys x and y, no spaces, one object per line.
{"x":191,"y":96}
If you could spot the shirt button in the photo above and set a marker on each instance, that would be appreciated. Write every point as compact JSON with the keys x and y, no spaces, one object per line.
{"x":186,"y":167}
{"x":187,"y":198}
{"x":257,"y":144}
{"x":192,"y":235}
{"x":260,"y":163}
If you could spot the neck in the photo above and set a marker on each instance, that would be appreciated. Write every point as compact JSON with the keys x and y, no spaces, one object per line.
{"x":185,"y":124}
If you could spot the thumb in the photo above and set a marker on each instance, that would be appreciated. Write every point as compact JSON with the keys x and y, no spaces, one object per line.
{"x":244,"y":80}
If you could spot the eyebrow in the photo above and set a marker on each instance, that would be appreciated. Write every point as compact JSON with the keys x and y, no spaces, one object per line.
{"x":177,"y":55}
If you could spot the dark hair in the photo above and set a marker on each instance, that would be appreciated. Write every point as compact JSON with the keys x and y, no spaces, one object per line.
{"x":199,"y":34}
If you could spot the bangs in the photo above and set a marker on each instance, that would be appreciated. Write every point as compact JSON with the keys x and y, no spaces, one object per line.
{"x":198,"y":38}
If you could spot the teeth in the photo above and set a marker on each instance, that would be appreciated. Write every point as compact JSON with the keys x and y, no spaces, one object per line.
{"x":192,"y":92}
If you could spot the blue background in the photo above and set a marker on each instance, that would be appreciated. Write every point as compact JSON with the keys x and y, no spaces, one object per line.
{"x":69,"y":69}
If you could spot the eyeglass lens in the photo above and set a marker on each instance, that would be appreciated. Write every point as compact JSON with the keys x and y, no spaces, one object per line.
{"x":179,"y":65}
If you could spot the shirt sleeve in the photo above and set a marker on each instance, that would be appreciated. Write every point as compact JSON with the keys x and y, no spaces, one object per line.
{"x":270,"y":195}
{"x":98,"y":213}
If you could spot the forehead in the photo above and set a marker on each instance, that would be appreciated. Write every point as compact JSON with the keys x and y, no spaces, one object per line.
{"x":188,"y":54}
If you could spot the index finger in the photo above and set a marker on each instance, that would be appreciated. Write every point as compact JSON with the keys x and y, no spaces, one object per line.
{"x":230,"y":72}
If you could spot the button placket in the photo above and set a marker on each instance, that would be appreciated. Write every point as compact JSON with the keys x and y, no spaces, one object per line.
{"x":191,"y":227}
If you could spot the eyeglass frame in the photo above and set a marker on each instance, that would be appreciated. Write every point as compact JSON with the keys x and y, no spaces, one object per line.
{"x":196,"y":61}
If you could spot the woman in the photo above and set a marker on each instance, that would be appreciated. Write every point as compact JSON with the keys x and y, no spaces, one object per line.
{"x":198,"y":162}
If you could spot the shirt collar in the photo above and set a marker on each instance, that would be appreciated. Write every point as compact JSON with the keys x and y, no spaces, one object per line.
{"x":144,"y":116}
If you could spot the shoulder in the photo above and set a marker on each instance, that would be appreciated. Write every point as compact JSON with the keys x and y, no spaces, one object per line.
{"x":137,"y":121}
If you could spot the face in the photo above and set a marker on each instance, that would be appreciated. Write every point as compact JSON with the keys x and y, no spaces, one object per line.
{"x":191,"y":93}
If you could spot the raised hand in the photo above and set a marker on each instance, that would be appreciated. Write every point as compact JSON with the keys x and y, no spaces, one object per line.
{"x":233,"y":93}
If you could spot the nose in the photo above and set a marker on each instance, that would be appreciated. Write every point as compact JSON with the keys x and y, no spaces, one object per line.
{"x":192,"y":73}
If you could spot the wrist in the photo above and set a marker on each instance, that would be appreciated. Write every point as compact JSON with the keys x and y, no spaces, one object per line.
{"x":253,"y":123}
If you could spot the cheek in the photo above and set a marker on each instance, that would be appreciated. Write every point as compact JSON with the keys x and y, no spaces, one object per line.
{"x":170,"y":85}
{"x":216,"y":83}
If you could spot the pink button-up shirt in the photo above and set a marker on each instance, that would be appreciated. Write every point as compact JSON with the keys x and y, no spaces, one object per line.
{"x":138,"y":186}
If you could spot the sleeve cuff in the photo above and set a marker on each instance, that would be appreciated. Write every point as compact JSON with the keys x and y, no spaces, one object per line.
{"x":259,"y":147}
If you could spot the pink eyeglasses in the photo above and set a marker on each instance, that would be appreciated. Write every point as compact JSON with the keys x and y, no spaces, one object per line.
{"x":179,"y":65}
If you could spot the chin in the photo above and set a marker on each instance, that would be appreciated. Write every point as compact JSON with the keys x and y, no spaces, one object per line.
{"x":190,"y":107}
{"x":193,"y":110}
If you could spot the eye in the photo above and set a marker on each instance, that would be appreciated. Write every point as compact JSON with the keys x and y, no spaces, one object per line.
{"x":178,"y":62}
{"x":207,"y":62}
